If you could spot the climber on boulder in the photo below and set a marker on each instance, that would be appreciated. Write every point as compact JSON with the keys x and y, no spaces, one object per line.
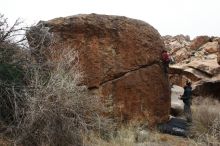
{"x":165,"y":60}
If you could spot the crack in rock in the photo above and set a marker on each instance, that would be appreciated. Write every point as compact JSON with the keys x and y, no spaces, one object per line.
{"x":120,"y":75}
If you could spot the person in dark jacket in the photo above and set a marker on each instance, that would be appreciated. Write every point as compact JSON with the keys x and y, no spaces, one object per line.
{"x":187,"y":99}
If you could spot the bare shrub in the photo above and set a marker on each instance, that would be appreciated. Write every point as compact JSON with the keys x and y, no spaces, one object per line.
{"x":12,"y":40}
{"x":9,"y":33}
{"x":206,"y":121}
{"x":59,"y":111}
{"x":40,"y":41}
{"x":50,"y":108}
{"x":12,"y":58}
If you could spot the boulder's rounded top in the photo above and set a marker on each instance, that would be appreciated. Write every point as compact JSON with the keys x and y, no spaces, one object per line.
{"x":99,"y":21}
{"x":92,"y":18}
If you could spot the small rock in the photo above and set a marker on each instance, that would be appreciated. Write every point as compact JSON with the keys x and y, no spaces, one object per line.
{"x":141,"y":136}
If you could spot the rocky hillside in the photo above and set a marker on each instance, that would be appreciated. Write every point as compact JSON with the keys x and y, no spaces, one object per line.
{"x":185,"y":50}
{"x":196,"y":60}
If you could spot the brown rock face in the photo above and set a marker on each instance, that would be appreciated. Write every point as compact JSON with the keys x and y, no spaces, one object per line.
{"x":120,"y":60}
{"x":211,"y":47}
{"x":218,"y":58}
{"x":198,"y":42}
{"x":181,"y":55}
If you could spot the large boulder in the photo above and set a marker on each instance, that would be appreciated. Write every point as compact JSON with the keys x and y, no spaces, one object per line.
{"x":211,"y":47}
{"x":120,"y":58}
{"x":198,"y":42}
{"x":210,"y":68}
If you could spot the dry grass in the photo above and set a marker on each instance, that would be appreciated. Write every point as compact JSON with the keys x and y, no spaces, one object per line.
{"x":131,"y":136}
{"x":205,"y":131}
{"x":206,"y":121}
{"x":5,"y":142}
{"x":125,"y":137}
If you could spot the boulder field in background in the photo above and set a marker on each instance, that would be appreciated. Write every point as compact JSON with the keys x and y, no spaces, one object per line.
{"x":120,"y":59}
{"x":197,"y":60}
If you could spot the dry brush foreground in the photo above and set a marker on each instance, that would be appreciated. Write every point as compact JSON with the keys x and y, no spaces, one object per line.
{"x":48,"y":106}
{"x":205,"y":130}
{"x":55,"y":110}
{"x":206,"y":121}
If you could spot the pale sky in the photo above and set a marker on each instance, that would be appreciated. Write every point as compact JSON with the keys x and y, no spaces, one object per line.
{"x":169,"y":17}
